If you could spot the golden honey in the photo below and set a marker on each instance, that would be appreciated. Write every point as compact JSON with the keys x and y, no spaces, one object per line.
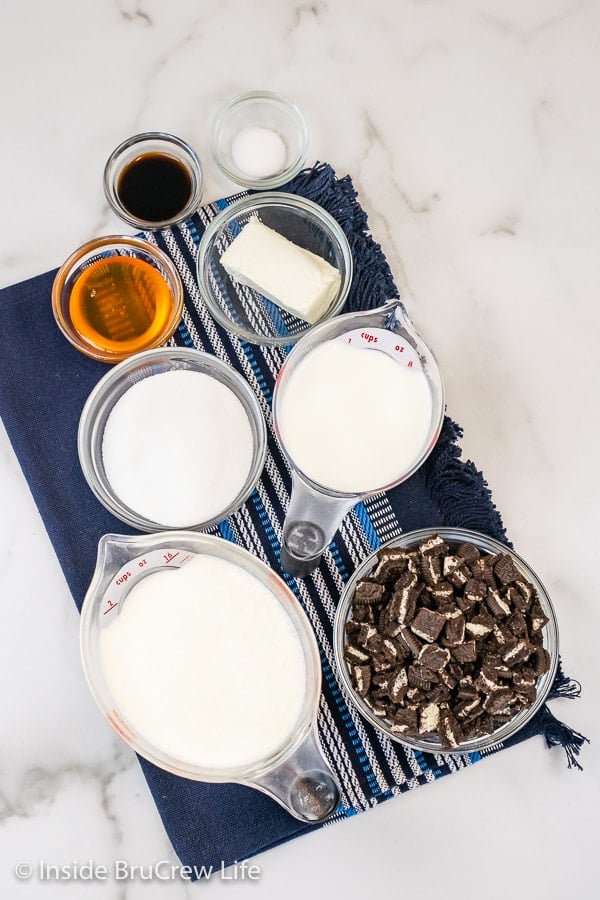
{"x":121,"y":305}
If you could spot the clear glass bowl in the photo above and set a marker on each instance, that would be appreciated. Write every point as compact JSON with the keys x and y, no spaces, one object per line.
{"x":118,"y":300}
{"x":245,"y":311}
{"x":550,"y":634}
{"x":111,"y":388}
{"x":262,"y":109}
{"x":295,"y":774}
{"x":152,"y":143}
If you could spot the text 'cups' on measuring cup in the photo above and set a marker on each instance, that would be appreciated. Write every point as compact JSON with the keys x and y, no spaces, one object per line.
{"x":358,"y":406}
{"x":208,"y":726}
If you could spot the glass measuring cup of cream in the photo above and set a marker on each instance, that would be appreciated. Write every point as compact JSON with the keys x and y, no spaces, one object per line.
{"x":358,"y":406}
{"x":204,"y":662}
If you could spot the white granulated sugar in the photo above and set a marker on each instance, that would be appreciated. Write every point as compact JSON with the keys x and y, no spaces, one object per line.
{"x":177,"y":448}
{"x":258,"y":152}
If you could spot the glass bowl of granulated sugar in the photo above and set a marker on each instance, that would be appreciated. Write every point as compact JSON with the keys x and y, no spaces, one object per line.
{"x":172,"y":438}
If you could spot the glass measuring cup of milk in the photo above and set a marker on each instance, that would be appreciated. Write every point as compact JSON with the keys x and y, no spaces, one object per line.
{"x":358,"y":406}
{"x":294,"y":771}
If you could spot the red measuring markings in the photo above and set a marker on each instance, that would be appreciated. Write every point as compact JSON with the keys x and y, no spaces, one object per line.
{"x":169,"y":557}
{"x":110,"y":605}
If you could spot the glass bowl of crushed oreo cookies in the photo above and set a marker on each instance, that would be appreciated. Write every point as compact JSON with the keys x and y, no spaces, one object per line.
{"x":446,"y":640}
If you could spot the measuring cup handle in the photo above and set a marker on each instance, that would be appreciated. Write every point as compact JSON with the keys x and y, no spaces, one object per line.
{"x":303,"y":784}
{"x":311,"y":521}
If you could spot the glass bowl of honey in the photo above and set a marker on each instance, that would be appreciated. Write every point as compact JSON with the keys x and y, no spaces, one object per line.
{"x":153,"y":180}
{"x":116,"y":296}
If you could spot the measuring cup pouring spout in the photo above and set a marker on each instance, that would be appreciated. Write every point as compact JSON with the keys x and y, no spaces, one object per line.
{"x":316,"y":509}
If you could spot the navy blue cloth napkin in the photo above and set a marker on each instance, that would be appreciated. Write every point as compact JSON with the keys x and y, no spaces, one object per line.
{"x":44,"y":383}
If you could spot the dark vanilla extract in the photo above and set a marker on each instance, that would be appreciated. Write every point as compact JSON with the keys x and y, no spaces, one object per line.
{"x":154,"y":187}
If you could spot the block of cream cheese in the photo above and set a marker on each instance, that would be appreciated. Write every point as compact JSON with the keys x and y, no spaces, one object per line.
{"x":294,"y":278}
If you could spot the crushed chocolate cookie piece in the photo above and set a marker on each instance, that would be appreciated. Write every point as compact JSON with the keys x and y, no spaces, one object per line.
{"x":459,"y":576}
{"x":398,"y":685}
{"x":442,"y":593}
{"x":465,"y":604}
{"x":390,"y":564}
{"x":419,"y":677}
{"x":361,"y":679}
{"x":374,"y":644}
{"x":427,"y":624}
{"x":364,"y":614}
{"x":433,"y":546}
{"x":379,"y":708}
{"x":496,"y":605}
{"x":429,"y":717}
{"x":526,"y":592}
{"x":477,"y":568}
{"x":447,"y":679}
{"x":431,"y":570}
{"x":410,"y":641}
{"x":392,"y":629}
{"x":355,"y":655}
{"x":369,"y":592}
{"x":541,"y":661}
{"x":498,"y":700}
{"x":449,"y":730}
{"x":390,"y":649}
{"x":403,"y":604}
{"x":517,"y":624}
{"x":352,"y":627}
{"x":450,"y":564}
{"x":468,"y":708}
{"x":434,"y":657}
{"x":405,"y":721}
{"x":502,"y":633}
{"x":537,"y":617}
{"x":365,"y":633}
{"x":474,"y":591}
{"x":465,"y":652}
{"x":468,"y":552}
{"x":505,"y":570}
{"x":488,"y":573}
{"x":479,"y":626}
{"x":516,"y":652}
{"x":382,"y":664}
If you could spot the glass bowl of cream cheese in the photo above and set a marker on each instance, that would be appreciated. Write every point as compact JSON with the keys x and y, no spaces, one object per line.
{"x":272,"y":265}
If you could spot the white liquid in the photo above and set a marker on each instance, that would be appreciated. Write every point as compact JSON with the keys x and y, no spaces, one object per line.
{"x":177,"y":448}
{"x":204,"y":663}
{"x":352,"y":419}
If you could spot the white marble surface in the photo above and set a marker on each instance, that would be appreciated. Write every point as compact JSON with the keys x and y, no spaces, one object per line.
{"x":471,"y":130}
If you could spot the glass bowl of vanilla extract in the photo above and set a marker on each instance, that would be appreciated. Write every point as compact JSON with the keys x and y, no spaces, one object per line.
{"x":116,"y":296}
{"x":153,"y":180}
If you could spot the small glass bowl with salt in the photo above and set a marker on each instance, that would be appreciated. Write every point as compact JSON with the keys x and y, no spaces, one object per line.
{"x":259,"y":140}
{"x":172,"y":438}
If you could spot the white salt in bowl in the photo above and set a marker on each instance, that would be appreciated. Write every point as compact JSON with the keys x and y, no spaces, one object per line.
{"x":115,"y":384}
{"x":243,"y":310}
{"x":282,"y":121}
